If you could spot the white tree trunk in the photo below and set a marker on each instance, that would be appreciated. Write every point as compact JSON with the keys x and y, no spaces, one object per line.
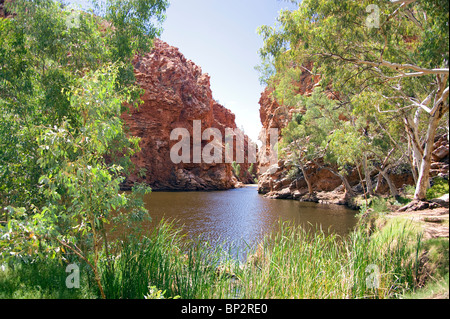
{"x":440,"y":108}
{"x":305,"y":176}
{"x":367,"y":176}
{"x":412,"y":161}
{"x":423,"y":181}
{"x":412,"y":128}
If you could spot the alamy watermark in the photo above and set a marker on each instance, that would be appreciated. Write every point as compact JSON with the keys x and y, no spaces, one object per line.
{"x":373,"y":278}
{"x":73,"y":279}
{"x":190,"y":150}
{"x":373,"y":19}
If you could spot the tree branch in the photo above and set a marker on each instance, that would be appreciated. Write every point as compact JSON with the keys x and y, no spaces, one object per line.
{"x":439,"y":102}
{"x":411,"y":17}
{"x":403,"y":2}
{"x":394,"y":66}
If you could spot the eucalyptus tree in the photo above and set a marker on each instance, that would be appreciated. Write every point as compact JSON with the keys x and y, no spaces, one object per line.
{"x":396,"y":50}
{"x":294,"y":148}
{"x":322,"y":137}
{"x":385,"y":142}
{"x":65,"y":78}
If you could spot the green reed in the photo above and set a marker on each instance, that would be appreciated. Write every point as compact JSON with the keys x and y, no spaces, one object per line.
{"x":290,"y":262}
{"x":167,"y":261}
{"x":296,"y":263}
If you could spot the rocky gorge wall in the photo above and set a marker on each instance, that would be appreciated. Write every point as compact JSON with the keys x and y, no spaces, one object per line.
{"x":177,"y":93}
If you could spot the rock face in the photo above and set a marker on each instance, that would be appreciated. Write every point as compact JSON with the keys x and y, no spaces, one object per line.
{"x":176,"y":94}
{"x":440,"y":157}
{"x":3,"y":12}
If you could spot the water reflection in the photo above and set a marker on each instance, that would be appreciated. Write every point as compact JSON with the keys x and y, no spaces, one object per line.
{"x":242,"y":214}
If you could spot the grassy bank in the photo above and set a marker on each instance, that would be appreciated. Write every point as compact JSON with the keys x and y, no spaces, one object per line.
{"x":382,"y":258}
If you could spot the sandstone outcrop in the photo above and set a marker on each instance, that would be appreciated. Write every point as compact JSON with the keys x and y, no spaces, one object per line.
{"x":276,"y":183}
{"x":177,"y":93}
{"x":440,"y":157}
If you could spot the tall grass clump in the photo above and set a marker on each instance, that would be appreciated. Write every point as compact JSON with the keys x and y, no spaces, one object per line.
{"x":40,"y":278}
{"x":167,"y":261}
{"x":384,"y":264}
{"x":292,"y":263}
{"x":296,"y":263}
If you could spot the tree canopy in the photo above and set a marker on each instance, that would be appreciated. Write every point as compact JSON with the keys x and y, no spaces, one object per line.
{"x":382,"y":59}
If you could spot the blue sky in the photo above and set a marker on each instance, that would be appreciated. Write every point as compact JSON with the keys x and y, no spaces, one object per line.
{"x":220,"y":37}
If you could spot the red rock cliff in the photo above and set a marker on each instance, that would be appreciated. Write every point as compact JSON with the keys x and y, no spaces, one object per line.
{"x":177,"y":92}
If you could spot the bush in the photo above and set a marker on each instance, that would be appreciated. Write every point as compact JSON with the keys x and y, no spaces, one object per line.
{"x":409,"y":190}
{"x":439,"y":188}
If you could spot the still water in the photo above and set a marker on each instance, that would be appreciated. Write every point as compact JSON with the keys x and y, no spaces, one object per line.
{"x":242,"y":215}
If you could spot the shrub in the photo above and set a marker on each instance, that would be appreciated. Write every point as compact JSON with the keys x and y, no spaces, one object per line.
{"x":439,"y":188}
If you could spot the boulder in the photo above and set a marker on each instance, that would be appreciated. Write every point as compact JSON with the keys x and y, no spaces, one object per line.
{"x":442,"y":201}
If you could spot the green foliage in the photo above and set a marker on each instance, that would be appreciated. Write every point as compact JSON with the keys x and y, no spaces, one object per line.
{"x":434,"y":48}
{"x":251,"y":169}
{"x":293,"y":173}
{"x":376,"y":205}
{"x":318,"y":134}
{"x":307,"y":135}
{"x":134,"y":23}
{"x":236,"y":169}
{"x":154,"y":293}
{"x":65,"y":76}
{"x":42,"y":279}
{"x":440,"y":187}
{"x":409,"y":190}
